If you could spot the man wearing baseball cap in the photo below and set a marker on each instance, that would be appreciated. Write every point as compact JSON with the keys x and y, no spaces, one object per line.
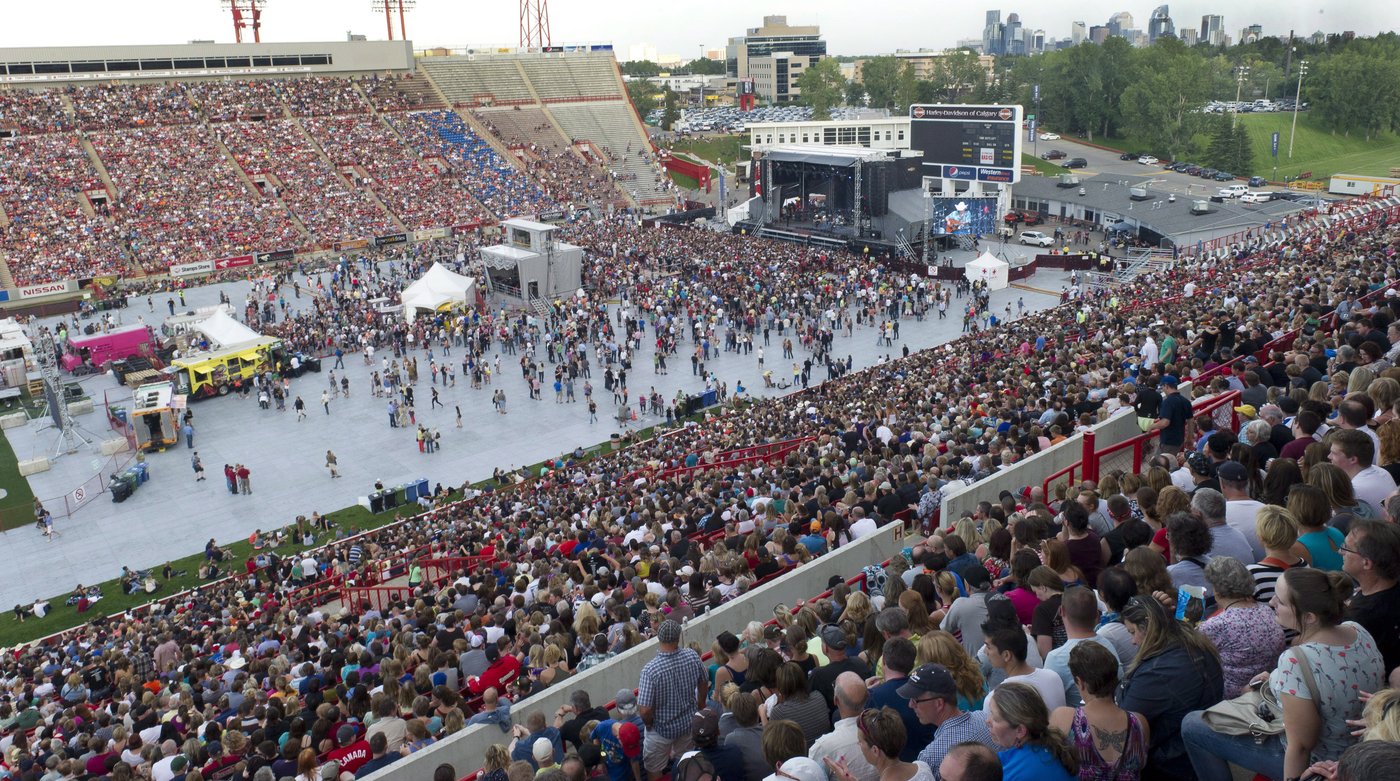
{"x":933,"y":695}
{"x":671,"y":688}
{"x":621,"y":742}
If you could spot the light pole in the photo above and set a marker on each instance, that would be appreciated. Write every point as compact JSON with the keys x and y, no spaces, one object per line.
{"x":1241,"y":74}
{"x":1302,"y":71}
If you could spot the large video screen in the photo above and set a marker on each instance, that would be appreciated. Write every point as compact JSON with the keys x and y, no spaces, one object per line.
{"x":968,"y":142}
{"x":964,"y":216}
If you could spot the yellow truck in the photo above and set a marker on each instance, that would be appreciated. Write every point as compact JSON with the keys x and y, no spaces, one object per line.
{"x":216,"y":372}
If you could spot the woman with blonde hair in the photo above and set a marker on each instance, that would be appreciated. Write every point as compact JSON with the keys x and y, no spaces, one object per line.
{"x":1157,"y":477}
{"x":940,"y":647}
{"x":586,"y":620}
{"x":1384,"y":392}
{"x":920,"y":621}
{"x":497,"y":761}
{"x":1360,"y":380}
{"x":1389,"y":457}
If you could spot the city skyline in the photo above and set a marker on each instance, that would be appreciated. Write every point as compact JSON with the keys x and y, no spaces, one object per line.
{"x":850,"y":29}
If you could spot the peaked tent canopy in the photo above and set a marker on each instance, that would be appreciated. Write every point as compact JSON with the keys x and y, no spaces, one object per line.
{"x":990,"y":269}
{"x":223,"y":331}
{"x":439,"y":290}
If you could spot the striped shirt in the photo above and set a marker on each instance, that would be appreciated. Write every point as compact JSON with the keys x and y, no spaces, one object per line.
{"x":1266,"y":574}
{"x":669,"y":685}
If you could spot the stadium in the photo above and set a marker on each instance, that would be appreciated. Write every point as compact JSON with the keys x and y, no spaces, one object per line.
{"x":854,"y":521}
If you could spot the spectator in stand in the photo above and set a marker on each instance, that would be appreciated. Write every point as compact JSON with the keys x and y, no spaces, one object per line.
{"x":1242,"y":629}
{"x":842,"y":742}
{"x":1032,"y":750}
{"x":1109,"y":741}
{"x":1371,"y":556}
{"x":1176,"y":670}
{"x":1353,"y":452}
{"x":970,"y":762}
{"x":673,"y":685}
{"x":834,"y":645}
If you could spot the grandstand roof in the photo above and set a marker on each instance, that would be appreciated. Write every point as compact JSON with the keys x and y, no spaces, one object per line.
{"x":817,"y":154}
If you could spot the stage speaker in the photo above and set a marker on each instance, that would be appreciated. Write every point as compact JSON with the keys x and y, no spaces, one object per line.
{"x":879,"y":176}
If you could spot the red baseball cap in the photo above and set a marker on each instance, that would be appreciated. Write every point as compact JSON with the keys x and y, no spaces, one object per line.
{"x":631,"y":739}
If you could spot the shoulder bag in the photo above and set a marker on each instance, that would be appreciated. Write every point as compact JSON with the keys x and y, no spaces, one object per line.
{"x":1258,"y":712}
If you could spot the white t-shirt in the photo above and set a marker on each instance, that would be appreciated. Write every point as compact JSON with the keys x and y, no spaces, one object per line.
{"x":1046,"y":682}
{"x":1372,"y":485}
{"x":865,"y":526}
{"x":1239,"y":515}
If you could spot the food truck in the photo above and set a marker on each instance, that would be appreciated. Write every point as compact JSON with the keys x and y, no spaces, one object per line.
{"x":216,"y":372}
{"x":156,"y":415}
{"x":90,"y":354}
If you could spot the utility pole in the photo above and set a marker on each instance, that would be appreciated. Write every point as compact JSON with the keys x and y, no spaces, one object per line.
{"x":1302,"y":71}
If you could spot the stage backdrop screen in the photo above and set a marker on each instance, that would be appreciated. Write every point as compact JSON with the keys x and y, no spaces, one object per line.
{"x":964,"y":216}
{"x":980,"y":143}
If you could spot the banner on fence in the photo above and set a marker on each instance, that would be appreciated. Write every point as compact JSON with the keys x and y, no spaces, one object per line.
{"x":48,"y":289}
{"x":191,"y":269}
{"x":341,"y":246}
{"x":273,"y":256}
{"x":391,"y":239}
{"x":233,"y":262}
{"x":431,"y":233}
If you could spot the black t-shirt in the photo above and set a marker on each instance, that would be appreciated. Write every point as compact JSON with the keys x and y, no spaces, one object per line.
{"x":1046,"y":620}
{"x":824,"y":678}
{"x":1148,"y":402}
{"x":1380,"y":614}
{"x":1176,"y":410}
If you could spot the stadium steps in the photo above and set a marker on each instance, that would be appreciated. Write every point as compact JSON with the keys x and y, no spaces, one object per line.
{"x":355,"y":85}
{"x":496,"y":143}
{"x":7,"y":280}
{"x":368,"y":191}
{"x":252,"y":188}
{"x":97,"y":164}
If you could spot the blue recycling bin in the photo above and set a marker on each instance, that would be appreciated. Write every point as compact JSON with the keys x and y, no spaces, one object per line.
{"x":410,"y":493}
{"x":143,"y":471}
{"x":710,"y":398}
{"x":423,"y":489}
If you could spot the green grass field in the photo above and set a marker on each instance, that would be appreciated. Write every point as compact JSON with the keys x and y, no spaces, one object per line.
{"x":721,"y":149}
{"x":17,"y":505}
{"x":684,"y":182}
{"x":1315,"y":148}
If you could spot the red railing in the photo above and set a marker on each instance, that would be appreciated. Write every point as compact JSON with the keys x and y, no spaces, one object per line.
{"x":775,"y":451}
{"x":442,"y":568}
{"x":378,"y":597}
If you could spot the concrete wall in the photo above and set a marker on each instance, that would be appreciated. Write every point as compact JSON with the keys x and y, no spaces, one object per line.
{"x":465,"y":750}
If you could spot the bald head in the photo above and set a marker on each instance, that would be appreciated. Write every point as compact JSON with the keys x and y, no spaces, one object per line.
{"x":851,"y":694}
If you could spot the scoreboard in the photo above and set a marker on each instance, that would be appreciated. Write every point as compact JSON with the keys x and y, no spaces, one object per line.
{"x":980,"y":143}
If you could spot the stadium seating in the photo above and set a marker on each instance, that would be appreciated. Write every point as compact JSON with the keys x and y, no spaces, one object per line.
{"x":179,"y":199}
{"x":111,"y":106}
{"x":33,"y":111}
{"x":612,"y":127}
{"x":573,"y":76}
{"x":550,"y":157}
{"x":322,"y":96}
{"x":315,"y":192}
{"x":49,"y":234}
{"x":400,"y":93}
{"x":224,"y":101}
{"x":419,"y":193}
{"x":499,"y":185}
{"x":476,"y":81}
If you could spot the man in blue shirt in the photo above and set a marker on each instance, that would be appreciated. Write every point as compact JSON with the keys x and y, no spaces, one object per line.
{"x":1172,"y":417}
{"x":933,"y":695}
{"x":621,"y":743}
{"x":897,"y":658}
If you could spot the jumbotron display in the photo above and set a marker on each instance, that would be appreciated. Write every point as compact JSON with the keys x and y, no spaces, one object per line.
{"x":981,"y":143}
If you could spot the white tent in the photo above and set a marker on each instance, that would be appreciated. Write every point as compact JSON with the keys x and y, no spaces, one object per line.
{"x":440,"y":289}
{"x":990,"y":269}
{"x":223,"y":331}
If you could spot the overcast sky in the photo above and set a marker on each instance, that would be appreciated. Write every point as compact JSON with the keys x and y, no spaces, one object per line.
{"x":869,"y":27}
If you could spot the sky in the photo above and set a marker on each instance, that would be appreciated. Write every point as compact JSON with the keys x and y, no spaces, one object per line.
{"x":869,"y":27}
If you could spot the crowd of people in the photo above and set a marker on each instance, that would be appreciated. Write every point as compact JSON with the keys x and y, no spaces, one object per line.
{"x":499,"y":185}
{"x":565,"y":174}
{"x":1083,"y":669}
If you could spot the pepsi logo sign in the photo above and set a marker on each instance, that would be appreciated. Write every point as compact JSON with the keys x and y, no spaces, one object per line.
{"x":953,"y":170}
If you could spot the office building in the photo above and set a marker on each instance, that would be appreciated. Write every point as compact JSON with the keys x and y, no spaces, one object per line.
{"x":1213,"y":29}
{"x":1160,"y":24}
{"x":992,"y":34}
{"x":1252,"y":33}
{"x":1078,"y":33}
{"x":775,"y":36}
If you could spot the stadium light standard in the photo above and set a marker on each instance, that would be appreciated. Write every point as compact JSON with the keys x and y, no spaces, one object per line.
{"x":1241,"y":75}
{"x":1302,"y":71}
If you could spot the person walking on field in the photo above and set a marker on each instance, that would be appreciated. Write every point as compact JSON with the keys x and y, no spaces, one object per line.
{"x":198,"y":466}
{"x":300,"y":407}
{"x":326,"y":402}
{"x":245,"y":485}
{"x":331,"y":464}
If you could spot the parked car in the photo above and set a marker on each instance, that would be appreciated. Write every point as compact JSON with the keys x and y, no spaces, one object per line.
{"x":1129,"y":156}
{"x":1076,"y":162}
{"x":1179,"y":167}
{"x":1191,"y":170}
{"x":1232,"y":191}
{"x":1053,"y":154}
{"x":1049,"y":136}
{"x":1207,"y":173}
{"x":1257,"y":197}
{"x":1147,"y":160}
{"x":1258,"y":181}
{"x":1023,"y":217}
{"x":1223,"y":176}
{"x":1036,"y":238}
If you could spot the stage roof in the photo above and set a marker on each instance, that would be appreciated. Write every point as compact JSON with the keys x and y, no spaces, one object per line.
{"x":817,"y":154}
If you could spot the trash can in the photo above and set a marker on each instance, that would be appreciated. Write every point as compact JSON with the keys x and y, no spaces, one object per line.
{"x":391,"y":497}
{"x":411,"y":493}
{"x":423,"y":489}
{"x":376,"y":502}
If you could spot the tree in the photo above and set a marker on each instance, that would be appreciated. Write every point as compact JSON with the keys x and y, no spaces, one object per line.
{"x":671,"y":113}
{"x":1221,"y":152}
{"x":910,"y":90}
{"x":1163,"y":105}
{"x":640,"y":68}
{"x":880,"y":77}
{"x":855,"y":93}
{"x":821,"y":87}
{"x":1241,"y":151}
{"x":705,"y":66}
{"x":643,"y":95}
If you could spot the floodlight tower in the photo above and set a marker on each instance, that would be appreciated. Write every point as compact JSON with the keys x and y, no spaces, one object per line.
{"x":388,"y":7}
{"x":247,"y":14}
{"x":534,"y":24}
